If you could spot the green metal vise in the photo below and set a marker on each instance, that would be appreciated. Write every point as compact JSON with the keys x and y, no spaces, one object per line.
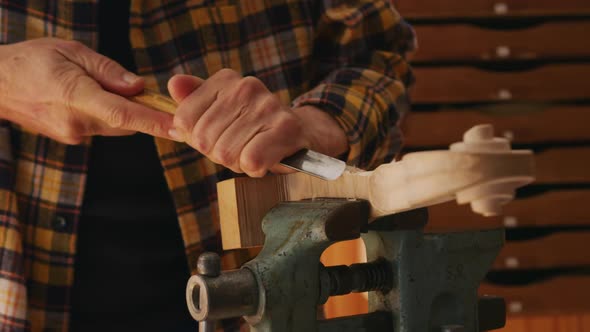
{"x":417,"y":282}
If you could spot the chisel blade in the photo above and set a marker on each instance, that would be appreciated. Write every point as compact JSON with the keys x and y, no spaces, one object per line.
{"x":315,"y":164}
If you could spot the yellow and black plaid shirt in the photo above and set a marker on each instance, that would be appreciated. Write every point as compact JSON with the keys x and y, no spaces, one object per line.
{"x":343,"y":56}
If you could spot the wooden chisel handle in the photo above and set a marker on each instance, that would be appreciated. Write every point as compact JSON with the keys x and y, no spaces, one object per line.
{"x":156,"y":101}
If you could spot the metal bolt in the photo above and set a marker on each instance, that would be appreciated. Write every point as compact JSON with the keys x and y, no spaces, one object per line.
{"x":231,"y":294}
{"x":207,"y":326}
{"x":208,"y":265}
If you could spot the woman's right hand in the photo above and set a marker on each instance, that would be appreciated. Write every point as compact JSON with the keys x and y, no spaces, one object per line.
{"x":66,"y":91}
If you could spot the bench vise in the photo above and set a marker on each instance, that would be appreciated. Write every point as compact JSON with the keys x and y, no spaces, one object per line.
{"x":417,"y":282}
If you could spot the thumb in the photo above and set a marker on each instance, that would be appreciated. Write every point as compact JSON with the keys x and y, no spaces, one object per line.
{"x":180,"y":86}
{"x":108,"y":73}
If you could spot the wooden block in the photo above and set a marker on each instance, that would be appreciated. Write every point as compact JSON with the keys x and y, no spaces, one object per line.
{"x":543,"y":42}
{"x":558,"y":250}
{"x":521,"y":124}
{"x":420,"y":179}
{"x":559,"y":295}
{"x":469,"y":85}
{"x":554,"y":208}
{"x":240,"y":211}
{"x":449,"y":9}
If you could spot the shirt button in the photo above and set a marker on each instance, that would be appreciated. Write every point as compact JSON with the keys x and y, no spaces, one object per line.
{"x":59,"y":223}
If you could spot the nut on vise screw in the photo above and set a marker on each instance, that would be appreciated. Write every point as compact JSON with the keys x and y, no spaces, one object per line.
{"x":212,"y":295}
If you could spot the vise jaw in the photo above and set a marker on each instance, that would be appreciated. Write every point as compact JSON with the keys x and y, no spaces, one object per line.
{"x":417,"y":282}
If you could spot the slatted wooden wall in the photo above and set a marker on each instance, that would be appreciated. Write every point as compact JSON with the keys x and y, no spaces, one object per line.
{"x":524,"y":66}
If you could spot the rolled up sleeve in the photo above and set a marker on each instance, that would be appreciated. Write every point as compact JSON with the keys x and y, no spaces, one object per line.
{"x":362,"y":75}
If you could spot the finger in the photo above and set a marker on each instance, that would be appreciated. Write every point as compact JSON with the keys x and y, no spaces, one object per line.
{"x":280,"y":169}
{"x":197,"y":103}
{"x":114,"y":132}
{"x":180,"y":86}
{"x":95,"y":127}
{"x":214,"y":122}
{"x":108,"y":73}
{"x":231,"y":138}
{"x":266,"y":150}
{"x":118,"y":112}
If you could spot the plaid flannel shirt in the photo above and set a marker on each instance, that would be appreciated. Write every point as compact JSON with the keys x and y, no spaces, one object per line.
{"x":342,"y":56}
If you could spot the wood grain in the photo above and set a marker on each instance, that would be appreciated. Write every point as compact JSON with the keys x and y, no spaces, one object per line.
{"x":543,"y":42}
{"x":468,"y":85}
{"x":422,"y":9}
{"x":554,"y":208}
{"x":156,"y":101}
{"x":560,"y":295}
{"x":521,"y":124}
{"x":557,"y":250}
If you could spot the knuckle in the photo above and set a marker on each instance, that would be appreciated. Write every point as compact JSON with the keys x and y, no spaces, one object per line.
{"x":72,"y":132}
{"x":182,"y":122}
{"x":252,"y":163}
{"x":200,"y":142}
{"x":235,"y":168}
{"x":251,"y":81}
{"x":269,"y":105}
{"x":256,"y":174}
{"x":116,"y":117}
{"x":226,"y":73}
{"x":104,"y":65}
{"x":247,"y":89}
{"x":223,"y":156}
{"x":70,"y":82}
{"x":289,"y":125}
{"x":73,"y":46}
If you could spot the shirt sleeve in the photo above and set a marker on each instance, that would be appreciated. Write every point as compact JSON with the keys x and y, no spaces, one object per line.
{"x":362,"y":76}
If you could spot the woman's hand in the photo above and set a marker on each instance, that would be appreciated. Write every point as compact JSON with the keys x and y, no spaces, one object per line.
{"x":66,"y":91}
{"x":237,"y":122}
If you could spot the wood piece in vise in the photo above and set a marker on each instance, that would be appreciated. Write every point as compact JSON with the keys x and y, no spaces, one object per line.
{"x":482,"y":170}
